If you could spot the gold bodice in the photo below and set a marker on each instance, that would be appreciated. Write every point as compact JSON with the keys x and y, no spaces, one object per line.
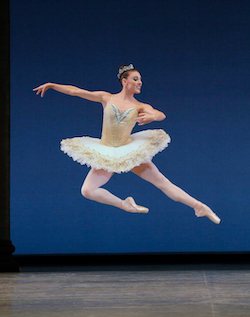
{"x":117,"y":125}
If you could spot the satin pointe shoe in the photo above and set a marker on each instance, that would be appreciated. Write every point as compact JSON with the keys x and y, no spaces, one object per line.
{"x":202,"y":210}
{"x":129,"y":205}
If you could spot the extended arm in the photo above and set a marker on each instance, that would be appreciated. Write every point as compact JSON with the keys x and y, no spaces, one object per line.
{"x":97,"y":96}
{"x":148,"y":114}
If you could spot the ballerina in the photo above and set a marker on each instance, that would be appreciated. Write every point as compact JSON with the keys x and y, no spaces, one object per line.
{"x":120,"y":151}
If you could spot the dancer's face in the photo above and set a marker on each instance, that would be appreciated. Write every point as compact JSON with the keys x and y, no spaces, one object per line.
{"x":133,"y":83}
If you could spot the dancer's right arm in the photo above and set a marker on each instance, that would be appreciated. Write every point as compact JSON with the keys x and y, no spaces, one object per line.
{"x":97,"y":96}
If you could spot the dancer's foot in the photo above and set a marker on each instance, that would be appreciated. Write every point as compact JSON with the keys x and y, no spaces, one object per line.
{"x":202,"y":210}
{"x":129,"y":205}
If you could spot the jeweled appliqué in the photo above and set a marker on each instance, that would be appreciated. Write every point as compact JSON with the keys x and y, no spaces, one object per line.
{"x":121,"y":115}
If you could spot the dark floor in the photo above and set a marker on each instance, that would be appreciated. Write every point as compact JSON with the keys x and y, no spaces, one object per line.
{"x":190,"y":291}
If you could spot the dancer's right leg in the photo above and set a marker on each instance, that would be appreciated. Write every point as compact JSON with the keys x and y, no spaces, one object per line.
{"x":91,"y":190}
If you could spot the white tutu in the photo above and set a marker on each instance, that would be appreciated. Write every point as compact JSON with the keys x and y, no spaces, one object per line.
{"x":89,"y":151}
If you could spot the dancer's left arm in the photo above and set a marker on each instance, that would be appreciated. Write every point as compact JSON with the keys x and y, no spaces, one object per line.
{"x":148,"y":114}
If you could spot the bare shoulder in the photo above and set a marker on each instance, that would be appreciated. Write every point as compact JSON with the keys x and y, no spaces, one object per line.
{"x":142,"y":107}
{"x":96,"y":96}
{"x":105,"y":96}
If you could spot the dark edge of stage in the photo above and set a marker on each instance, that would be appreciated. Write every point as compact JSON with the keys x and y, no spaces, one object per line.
{"x":135,"y":261}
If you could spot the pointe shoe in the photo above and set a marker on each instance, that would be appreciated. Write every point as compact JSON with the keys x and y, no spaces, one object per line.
{"x":202,"y":210}
{"x":129,"y":205}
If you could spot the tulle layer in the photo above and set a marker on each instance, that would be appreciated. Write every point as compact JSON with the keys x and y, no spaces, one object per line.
{"x":89,"y":151}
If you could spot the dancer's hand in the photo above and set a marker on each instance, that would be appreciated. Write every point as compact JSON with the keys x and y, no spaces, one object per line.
{"x":42,"y":89}
{"x":144,"y":118}
{"x":148,"y":114}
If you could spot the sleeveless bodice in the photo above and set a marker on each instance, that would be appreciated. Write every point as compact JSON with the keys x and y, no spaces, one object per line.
{"x":117,"y":125}
{"x":118,"y":150}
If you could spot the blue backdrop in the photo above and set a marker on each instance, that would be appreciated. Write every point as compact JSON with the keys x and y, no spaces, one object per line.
{"x":194,"y":60}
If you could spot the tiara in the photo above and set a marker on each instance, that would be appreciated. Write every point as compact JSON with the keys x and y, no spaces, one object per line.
{"x":124,"y":69}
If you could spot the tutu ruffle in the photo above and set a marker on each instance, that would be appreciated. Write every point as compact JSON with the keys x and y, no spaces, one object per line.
{"x":144,"y":146}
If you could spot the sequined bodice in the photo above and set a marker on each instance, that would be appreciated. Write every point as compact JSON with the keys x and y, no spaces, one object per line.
{"x":117,"y":125}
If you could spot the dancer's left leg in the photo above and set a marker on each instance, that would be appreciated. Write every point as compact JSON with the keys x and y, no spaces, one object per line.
{"x":150,"y":173}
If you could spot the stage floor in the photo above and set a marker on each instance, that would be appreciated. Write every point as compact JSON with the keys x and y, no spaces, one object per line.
{"x":127,"y":292}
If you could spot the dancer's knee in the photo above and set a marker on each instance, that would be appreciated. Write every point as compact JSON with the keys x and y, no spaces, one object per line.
{"x":87,"y":192}
{"x":161,"y":182}
{"x":169,"y":189}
